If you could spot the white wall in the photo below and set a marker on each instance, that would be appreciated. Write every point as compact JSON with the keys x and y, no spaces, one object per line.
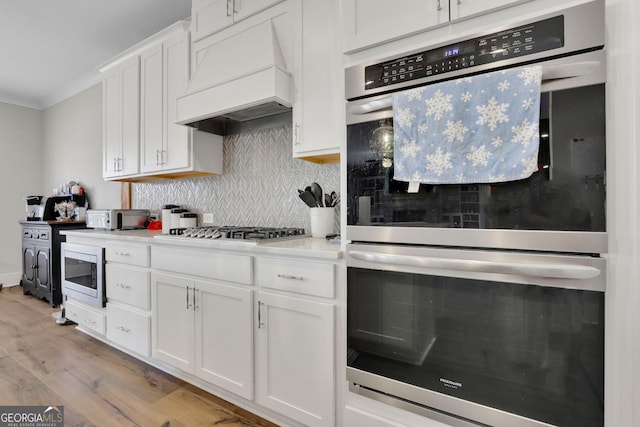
{"x":20,"y":176}
{"x":72,"y":148}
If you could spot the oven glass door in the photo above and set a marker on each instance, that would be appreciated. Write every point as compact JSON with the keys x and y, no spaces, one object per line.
{"x":81,"y":270}
{"x":567,"y":193}
{"x":517,"y":346}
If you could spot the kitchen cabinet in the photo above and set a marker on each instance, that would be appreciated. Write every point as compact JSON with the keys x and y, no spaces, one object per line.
{"x":295,"y":331}
{"x":318,"y":106}
{"x":128,"y":289}
{"x":121,"y":119}
{"x":88,"y":318}
{"x":210,"y":16}
{"x":41,"y":258}
{"x":371,"y":22}
{"x":204,"y":326}
{"x":169,"y":149}
{"x":141,"y":139}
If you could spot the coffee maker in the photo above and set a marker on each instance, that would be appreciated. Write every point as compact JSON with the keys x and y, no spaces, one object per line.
{"x":34,"y":207}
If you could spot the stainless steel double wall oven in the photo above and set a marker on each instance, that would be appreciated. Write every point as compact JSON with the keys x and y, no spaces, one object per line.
{"x":483,"y":304}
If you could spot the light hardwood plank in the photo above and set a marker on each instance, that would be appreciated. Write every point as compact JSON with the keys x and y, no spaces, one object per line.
{"x":43,"y":363}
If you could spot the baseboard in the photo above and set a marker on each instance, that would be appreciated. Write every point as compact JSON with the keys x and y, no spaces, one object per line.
{"x":10,"y":279}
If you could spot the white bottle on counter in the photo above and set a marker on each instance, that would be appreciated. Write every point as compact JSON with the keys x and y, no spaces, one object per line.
{"x":166,"y":217}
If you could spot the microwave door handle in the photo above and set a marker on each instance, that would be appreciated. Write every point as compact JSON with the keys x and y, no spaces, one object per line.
{"x":555,"y":271}
{"x":371,"y":107}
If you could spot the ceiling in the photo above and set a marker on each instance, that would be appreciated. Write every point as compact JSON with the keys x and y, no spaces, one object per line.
{"x":50,"y":49}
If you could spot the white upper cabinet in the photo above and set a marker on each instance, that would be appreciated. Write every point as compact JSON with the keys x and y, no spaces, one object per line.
{"x":372,"y":22}
{"x":318,"y":107}
{"x":141,"y":138}
{"x":121,"y":116}
{"x":210,"y":16}
{"x":168,"y":148}
{"x":465,"y":8}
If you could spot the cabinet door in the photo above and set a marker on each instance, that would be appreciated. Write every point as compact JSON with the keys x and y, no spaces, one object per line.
{"x":43,"y":269}
{"x":224,"y":337}
{"x":209,"y":16}
{"x":28,"y":268}
{"x":177,"y":149}
{"x":112,"y":126}
{"x":465,"y":8}
{"x":245,"y":8}
{"x":130,"y":163}
{"x":295,"y":358}
{"x":173,"y":320}
{"x":370,"y":22}
{"x":121,"y":117}
{"x":317,"y":112}
{"x":151,"y":123}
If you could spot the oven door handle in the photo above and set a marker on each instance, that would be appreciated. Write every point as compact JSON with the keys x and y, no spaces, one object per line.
{"x":549,"y":72}
{"x":555,"y":271}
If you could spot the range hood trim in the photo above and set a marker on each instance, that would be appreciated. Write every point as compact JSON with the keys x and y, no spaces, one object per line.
{"x":266,"y":86}
{"x":240,"y":78}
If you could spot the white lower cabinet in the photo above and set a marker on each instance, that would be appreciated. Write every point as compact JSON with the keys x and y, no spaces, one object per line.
{"x":295,"y":358}
{"x":129,"y":328}
{"x":91,"y":318}
{"x":204,"y":328}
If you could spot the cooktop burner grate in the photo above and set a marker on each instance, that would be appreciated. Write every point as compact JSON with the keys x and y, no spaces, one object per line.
{"x":238,"y":233}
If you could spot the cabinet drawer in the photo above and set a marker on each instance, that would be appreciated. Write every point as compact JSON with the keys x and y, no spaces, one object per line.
{"x":85,"y":317}
{"x":129,"y":329}
{"x":304,"y":277}
{"x":128,"y":254}
{"x":209,"y":264}
{"x":129,"y":285}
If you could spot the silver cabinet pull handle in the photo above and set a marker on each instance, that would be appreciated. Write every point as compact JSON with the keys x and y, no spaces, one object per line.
{"x":439,"y":6}
{"x":195,"y":307}
{"x":123,"y":253}
{"x":228,"y":13}
{"x":260,"y":323}
{"x":123,"y":286}
{"x":123,"y":329}
{"x":289,"y":277}
{"x":188,"y":305}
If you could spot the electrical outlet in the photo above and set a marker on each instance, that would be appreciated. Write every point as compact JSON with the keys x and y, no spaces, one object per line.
{"x":207,"y":218}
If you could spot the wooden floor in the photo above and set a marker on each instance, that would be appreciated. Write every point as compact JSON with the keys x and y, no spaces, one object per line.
{"x":43,"y":363}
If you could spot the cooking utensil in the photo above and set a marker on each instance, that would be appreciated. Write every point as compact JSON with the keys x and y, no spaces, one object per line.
{"x":316,"y":190}
{"x":334,"y":198}
{"x":327,"y":200}
{"x":308,"y":198}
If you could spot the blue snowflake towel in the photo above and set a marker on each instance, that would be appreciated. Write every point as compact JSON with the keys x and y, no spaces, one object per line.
{"x":479,"y":129}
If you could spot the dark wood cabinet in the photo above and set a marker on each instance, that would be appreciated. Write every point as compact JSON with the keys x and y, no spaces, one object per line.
{"x":41,"y":258}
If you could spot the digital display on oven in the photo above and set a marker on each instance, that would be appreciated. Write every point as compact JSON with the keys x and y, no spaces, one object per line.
{"x":536,"y":37}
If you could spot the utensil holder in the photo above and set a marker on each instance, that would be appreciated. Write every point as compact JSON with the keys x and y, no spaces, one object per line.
{"x":322,"y":222}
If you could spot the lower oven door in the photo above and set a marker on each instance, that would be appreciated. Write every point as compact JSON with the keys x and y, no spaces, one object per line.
{"x":498,"y":338}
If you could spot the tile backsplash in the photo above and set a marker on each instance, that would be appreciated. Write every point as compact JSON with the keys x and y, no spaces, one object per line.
{"x":258,"y":186}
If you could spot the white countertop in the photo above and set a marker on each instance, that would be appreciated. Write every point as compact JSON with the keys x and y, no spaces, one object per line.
{"x":306,"y":247}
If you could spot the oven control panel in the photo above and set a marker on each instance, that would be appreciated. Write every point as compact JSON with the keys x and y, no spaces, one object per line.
{"x":531,"y":38}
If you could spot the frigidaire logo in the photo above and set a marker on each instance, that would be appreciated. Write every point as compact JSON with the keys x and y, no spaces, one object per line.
{"x":449,"y":383}
{"x":31,"y":416}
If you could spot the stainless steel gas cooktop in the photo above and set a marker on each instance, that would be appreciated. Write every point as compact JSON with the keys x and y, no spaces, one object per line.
{"x":244,"y":234}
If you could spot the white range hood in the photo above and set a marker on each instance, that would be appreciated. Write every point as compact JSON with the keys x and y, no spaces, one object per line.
{"x":241,"y":78}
